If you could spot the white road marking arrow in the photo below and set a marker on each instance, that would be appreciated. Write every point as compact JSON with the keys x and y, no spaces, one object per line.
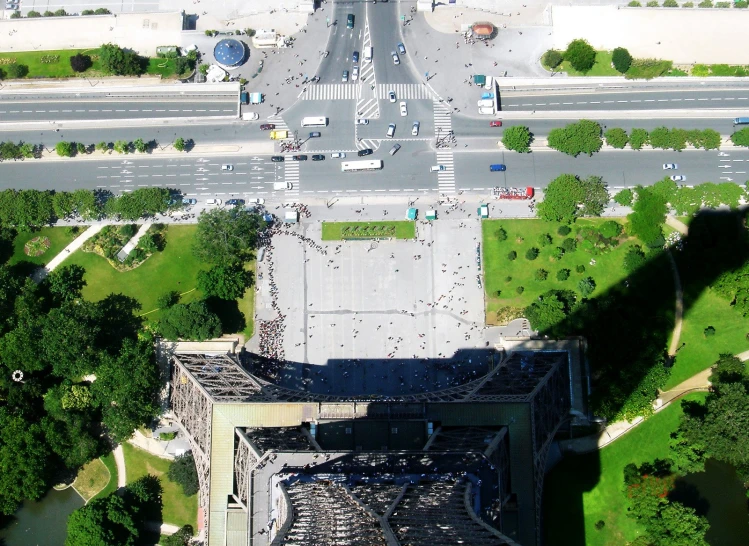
{"x":726,"y":178}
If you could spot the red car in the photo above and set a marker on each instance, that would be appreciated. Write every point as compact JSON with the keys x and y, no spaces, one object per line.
{"x":495,"y":124}
{"x":267,"y":127}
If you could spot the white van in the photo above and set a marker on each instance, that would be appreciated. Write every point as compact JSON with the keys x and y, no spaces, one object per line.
{"x":281,"y":186}
{"x":368,"y":51}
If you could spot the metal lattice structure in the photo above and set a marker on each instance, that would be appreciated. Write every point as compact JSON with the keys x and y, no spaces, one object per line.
{"x":246,"y":456}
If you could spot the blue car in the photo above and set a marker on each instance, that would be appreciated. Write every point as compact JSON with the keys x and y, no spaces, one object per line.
{"x":498,"y":167}
{"x":355,"y":57}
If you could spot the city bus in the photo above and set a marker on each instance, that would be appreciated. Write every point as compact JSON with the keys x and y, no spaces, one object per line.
{"x":355,"y":166}
{"x":314,"y":122}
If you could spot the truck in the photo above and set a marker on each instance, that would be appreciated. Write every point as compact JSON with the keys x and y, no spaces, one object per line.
{"x":740,"y":121}
{"x":244,"y":97}
{"x":256,"y":98}
{"x":279,"y":135}
{"x":485,"y":103}
{"x":487,"y":110}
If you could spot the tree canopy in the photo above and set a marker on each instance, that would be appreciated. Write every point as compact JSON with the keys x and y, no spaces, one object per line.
{"x":517,"y":138}
{"x":581,"y":55}
{"x":191,"y":321}
{"x":647,"y":217}
{"x":120,"y":62}
{"x":226,"y":236}
{"x":568,"y":197}
{"x":583,"y":137}
{"x":227,"y":282}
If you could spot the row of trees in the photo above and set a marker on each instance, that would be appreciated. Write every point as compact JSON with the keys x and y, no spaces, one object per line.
{"x":70,"y":149}
{"x":226,"y":239}
{"x":52,"y":420}
{"x":664,"y":138}
{"x":30,"y":209}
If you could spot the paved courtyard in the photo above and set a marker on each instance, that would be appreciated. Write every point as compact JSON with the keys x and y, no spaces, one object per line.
{"x":396,"y":317}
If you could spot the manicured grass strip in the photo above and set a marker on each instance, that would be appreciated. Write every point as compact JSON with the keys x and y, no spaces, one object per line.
{"x":178,"y":509}
{"x":602,"y":66}
{"x":175,"y":268}
{"x":247,"y":302}
{"x":334,"y":231}
{"x":91,"y":479}
{"x":111,"y":486}
{"x":58,"y":239}
{"x":584,"y":489}
{"x":698,"y":352}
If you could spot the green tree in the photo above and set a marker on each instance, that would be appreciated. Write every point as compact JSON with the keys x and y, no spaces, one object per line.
{"x":660,"y":137}
{"x":69,"y":339}
{"x":191,"y":321}
{"x":102,"y":146}
{"x":64,"y":149}
{"x":121,"y":146}
{"x":634,"y":259}
{"x":183,"y":471}
{"x":728,"y":369}
{"x":610,"y":229}
{"x":550,"y":310}
{"x":647,"y":217}
{"x":183,"y":537}
{"x":563,"y":274}
{"x":140,"y":146}
{"x":80,"y":148}
{"x":581,"y":55}
{"x":500,"y":234}
{"x":120,"y":62}
{"x":616,"y":137}
{"x":586,"y":286}
{"x":126,"y":388}
{"x":624,"y":197}
{"x":32,"y":14}
{"x":576,"y":138}
{"x":512,"y":255}
{"x":203,"y":68}
{"x":532,"y":253}
{"x":107,"y":521}
{"x":567,"y":197}
{"x":226,"y":236}
{"x":711,"y":139}
{"x":16,"y":71}
{"x":639,"y":138}
{"x":179,"y":144}
{"x":541,"y":274}
{"x":595,"y":196}
{"x":168,"y":299}
{"x":26,"y":150}
{"x":66,"y":283}
{"x":741,"y":137}
{"x":9,"y":150}
{"x":227,"y":282}
{"x":141,"y":203}
{"x":80,"y":62}
{"x":621,"y":59}
{"x":552,"y":58}
{"x":517,"y":138}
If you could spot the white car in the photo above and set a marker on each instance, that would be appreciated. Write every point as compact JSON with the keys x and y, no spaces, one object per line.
{"x":227,"y":167}
{"x":404,"y":110}
{"x":678,"y":178}
{"x":250,"y":116}
{"x":391,"y":96}
{"x":670,"y":166}
{"x":338,"y":155}
{"x":344,"y":78}
{"x":214,"y":202}
{"x":256,"y":201}
{"x":396,"y":60}
{"x":362,"y":121}
{"x":437,"y":168}
{"x":391,"y":130}
{"x":415,"y":128}
{"x":355,"y":73}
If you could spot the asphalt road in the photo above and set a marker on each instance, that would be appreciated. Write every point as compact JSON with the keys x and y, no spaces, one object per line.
{"x":628,"y":99}
{"x":51,"y":106}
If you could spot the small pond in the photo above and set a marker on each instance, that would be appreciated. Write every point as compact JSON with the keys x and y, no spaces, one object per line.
{"x":42,"y":523}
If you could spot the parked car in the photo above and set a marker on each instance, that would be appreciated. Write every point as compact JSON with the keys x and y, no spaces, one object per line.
{"x":344,"y":78}
{"x":214,"y":202}
{"x":396,"y":60}
{"x":315,"y":134}
{"x":235,"y":202}
{"x":437,"y":168}
{"x":404,"y":110}
{"x":227,"y":167}
{"x":338,"y":155}
{"x":361,"y":121}
{"x":670,"y":166}
{"x":267,"y":127}
{"x":299,"y":158}
{"x":497,"y":167}
{"x":189,"y":201}
{"x":355,"y":73}
{"x":355,"y":57}
{"x":415,"y":128}
{"x":391,"y":130}
{"x":318,"y":157}
{"x":401,"y":49}
{"x":250,"y":116}
{"x":366,"y":151}
{"x":277,"y":159}
{"x":391,"y":96}
{"x":678,"y":178}
{"x":394,"y":149}
{"x":495,"y":123}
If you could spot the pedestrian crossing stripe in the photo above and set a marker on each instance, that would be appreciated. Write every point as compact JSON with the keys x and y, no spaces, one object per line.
{"x":405,"y":91}
{"x":333,"y":91}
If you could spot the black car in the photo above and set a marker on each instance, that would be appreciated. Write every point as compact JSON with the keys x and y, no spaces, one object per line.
{"x":355,"y":57}
{"x":368,"y":151}
{"x":299,"y":158}
{"x":318,"y":157}
{"x":267,"y":127}
{"x":277,"y":158}
{"x":235,"y":202}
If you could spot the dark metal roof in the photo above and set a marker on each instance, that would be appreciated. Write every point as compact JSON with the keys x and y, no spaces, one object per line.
{"x":229,"y":52}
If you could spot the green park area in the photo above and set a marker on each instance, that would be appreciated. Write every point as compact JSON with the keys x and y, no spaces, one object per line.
{"x":178,"y":509}
{"x":584,"y":489}
{"x":92,"y":479}
{"x":514,"y":276}
{"x":336,"y":231}
{"x":111,"y":485}
{"x":39,"y":247}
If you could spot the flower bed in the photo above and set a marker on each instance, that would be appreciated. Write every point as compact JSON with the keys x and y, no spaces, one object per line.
{"x":111,"y":239}
{"x":36,"y":246}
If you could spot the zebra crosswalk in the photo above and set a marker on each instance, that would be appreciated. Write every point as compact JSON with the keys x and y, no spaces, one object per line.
{"x":333,"y":91}
{"x":404,"y":91}
{"x":442,"y":127}
{"x":291,"y":175}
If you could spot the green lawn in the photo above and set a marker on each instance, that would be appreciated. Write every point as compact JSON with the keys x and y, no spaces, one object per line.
{"x":111,"y":487}
{"x":584,"y":489}
{"x":247,"y":303}
{"x":177,"y":509}
{"x":58,"y":240}
{"x":160,"y":67}
{"x":524,"y":234}
{"x":602,"y":67}
{"x":700,"y":352}
{"x":334,"y":231}
{"x":175,"y":268}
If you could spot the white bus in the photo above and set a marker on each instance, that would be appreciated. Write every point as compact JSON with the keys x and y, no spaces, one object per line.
{"x":354,"y":166}
{"x":314,"y":122}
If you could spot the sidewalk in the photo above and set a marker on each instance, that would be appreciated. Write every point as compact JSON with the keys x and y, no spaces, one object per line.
{"x":41,"y":273}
